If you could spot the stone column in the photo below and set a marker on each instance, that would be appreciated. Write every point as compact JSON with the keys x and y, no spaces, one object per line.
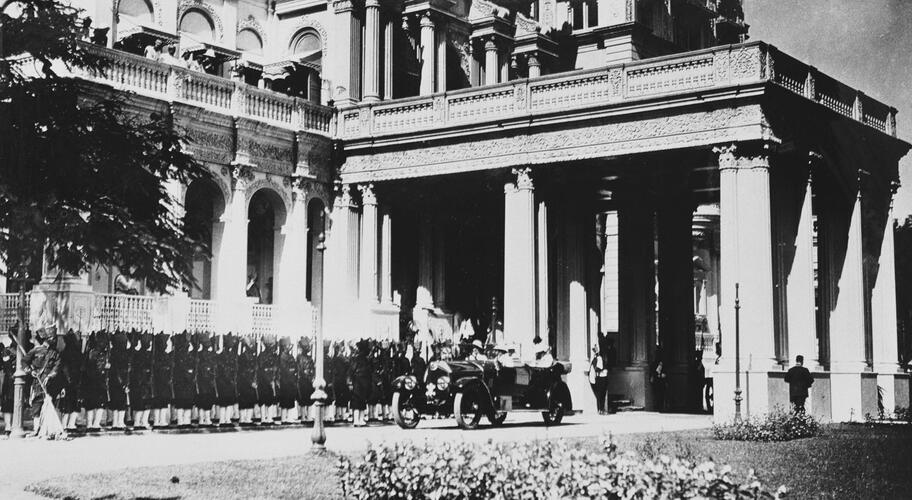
{"x":675,"y":271}
{"x":534,"y":66}
{"x":442,"y":59}
{"x":847,"y":319}
{"x":347,"y":69}
{"x":439,"y":263}
{"x":519,"y":309}
{"x":574,"y":340}
{"x":232,"y":306}
{"x":883,"y":316}
{"x":802,"y":321}
{"x":423,"y":296}
{"x":428,"y":54}
{"x":389,"y":28}
{"x":371,"y":50}
{"x":368,"y":267}
{"x":492,"y":62}
{"x":386,"y":257}
{"x":746,"y":259}
{"x":292,"y":310}
{"x":541,"y":234}
{"x":341,"y":268}
{"x":636,"y":291}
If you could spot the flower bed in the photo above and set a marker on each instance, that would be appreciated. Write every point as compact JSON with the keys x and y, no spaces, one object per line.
{"x":777,"y":425}
{"x":538,"y":470}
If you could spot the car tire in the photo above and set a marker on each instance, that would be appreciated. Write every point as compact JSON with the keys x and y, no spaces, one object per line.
{"x":467,"y":410}
{"x":497,"y":418}
{"x":555,"y":413}
{"x":401,"y":406}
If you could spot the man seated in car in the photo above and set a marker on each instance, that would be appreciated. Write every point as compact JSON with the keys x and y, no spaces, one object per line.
{"x":477,"y":354}
{"x":506,"y":356}
{"x":543,"y":357}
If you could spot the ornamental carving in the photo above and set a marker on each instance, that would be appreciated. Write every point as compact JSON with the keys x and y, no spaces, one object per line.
{"x":186,"y":5}
{"x":211,"y":146}
{"x":526,"y":26}
{"x":745,"y":63}
{"x":629,"y":12}
{"x":252,"y":24}
{"x":730,"y":159}
{"x":519,"y":96}
{"x":597,"y":140}
{"x":241,"y":175}
{"x":267,"y":183}
{"x":270,"y":158}
{"x":368,"y":197}
{"x":156,"y":11}
{"x":305,"y":24}
{"x":721,"y":61}
{"x":616,"y":82}
{"x":523,"y":178}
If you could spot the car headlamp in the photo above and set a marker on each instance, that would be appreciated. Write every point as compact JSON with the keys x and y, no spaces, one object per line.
{"x":410,"y":383}
{"x":443,"y":383}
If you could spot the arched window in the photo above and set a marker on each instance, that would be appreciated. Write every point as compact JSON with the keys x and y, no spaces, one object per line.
{"x":307,"y":45}
{"x":198,"y":25}
{"x":139,"y":10}
{"x":249,"y":41}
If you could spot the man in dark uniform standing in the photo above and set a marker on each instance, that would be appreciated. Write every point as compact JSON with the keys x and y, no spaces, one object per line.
{"x":43,"y":362}
{"x":799,"y":380}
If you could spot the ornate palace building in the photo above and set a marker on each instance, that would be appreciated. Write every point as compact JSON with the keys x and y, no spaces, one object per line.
{"x":562,"y":168}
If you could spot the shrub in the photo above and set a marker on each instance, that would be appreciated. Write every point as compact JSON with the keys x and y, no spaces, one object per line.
{"x":903,"y":414}
{"x":536,"y":470}
{"x":778,"y":425}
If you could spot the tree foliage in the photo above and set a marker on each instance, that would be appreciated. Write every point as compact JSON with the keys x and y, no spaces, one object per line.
{"x":83,"y":179}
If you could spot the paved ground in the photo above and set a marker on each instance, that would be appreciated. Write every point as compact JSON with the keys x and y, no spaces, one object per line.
{"x":22,"y":462}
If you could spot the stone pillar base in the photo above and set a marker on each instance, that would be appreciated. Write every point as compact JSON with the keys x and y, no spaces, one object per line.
{"x":66,"y":304}
{"x":580,"y":390}
{"x":846,"y":397}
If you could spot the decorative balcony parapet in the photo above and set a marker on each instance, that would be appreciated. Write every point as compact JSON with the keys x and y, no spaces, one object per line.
{"x":133,"y":73}
{"x":714,"y":68}
{"x":9,"y":310}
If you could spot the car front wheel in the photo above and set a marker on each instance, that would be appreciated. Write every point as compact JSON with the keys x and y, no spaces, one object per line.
{"x":555,"y":413}
{"x":404,"y":413}
{"x":468,"y":411}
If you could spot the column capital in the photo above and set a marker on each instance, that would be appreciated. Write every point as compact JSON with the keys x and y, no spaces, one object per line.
{"x":241,"y":174}
{"x":523,"y":178}
{"x":729,"y":158}
{"x":340,"y":6}
{"x":426,"y":20}
{"x":368,"y":197}
{"x":343,"y":196}
{"x":490,"y":44}
{"x":371,"y":4}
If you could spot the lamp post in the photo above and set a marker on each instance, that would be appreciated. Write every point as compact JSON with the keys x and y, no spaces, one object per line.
{"x":318,"y":436}
{"x":737,"y":354}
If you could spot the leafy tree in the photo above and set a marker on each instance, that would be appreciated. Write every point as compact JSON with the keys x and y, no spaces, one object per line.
{"x":82,"y":179}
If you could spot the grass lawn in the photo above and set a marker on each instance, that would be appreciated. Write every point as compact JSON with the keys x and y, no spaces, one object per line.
{"x":849,"y":461}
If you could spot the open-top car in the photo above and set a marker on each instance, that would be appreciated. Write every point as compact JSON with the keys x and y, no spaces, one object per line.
{"x":470,"y":390}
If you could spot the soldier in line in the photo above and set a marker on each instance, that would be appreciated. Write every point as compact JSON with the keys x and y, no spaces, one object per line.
{"x":119,"y":380}
{"x":360,"y":379}
{"x":141,"y":379}
{"x":43,"y":362}
{"x":247,"y":379}
{"x":183,"y":378}
{"x":206,"y":390}
{"x":162,"y":393}
{"x":306,"y":372}
{"x":267,"y":390}
{"x":94,"y":389}
{"x":226,"y":378}
{"x":71,"y":358}
{"x":7,"y":370}
{"x":341,"y":388}
{"x":288,"y":381}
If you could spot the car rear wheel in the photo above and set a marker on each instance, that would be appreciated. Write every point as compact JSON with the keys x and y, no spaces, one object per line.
{"x":404,"y":413}
{"x":468,"y":410}
{"x":555,"y":413}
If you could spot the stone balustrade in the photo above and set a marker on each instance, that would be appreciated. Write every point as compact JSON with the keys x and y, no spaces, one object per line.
{"x":129,"y":72}
{"x":9,"y":303}
{"x":715,"y":68}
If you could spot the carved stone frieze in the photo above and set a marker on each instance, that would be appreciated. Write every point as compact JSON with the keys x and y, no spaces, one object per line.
{"x":314,"y":155}
{"x":746,"y":63}
{"x":266,"y":155}
{"x":241,"y":175}
{"x":211,"y":146}
{"x":703,"y":128}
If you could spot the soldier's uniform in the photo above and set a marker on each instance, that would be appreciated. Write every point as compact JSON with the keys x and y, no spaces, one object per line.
{"x":306,"y":373}
{"x":205,"y":377}
{"x":183,"y":377}
{"x":288,"y":380}
{"x":226,"y":378}
{"x":94,"y":388}
{"x":340,"y":378}
{"x":119,"y":379}
{"x":141,"y":400}
{"x":247,"y":378}
{"x":267,"y":371}
{"x":361,"y":375}
{"x":43,"y":361}
{"x":71,"y":369}
{"x":162,"y":365}
{"x":7,"y":370}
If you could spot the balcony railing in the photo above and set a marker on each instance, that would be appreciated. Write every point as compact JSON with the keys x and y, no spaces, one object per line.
{"x":9,"y":314}
{"x":717,"y":67}
{"x":123,"y":312}
{"x":155,"y":79}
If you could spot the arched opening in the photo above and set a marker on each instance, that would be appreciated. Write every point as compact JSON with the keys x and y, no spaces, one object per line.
{"x":249,"y":41}
{"x":203,"y":207}
{"x":137,"y":12}
{"x":303,"y":79}
{"x":197,"y":25}
{"x":266,"y":216}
